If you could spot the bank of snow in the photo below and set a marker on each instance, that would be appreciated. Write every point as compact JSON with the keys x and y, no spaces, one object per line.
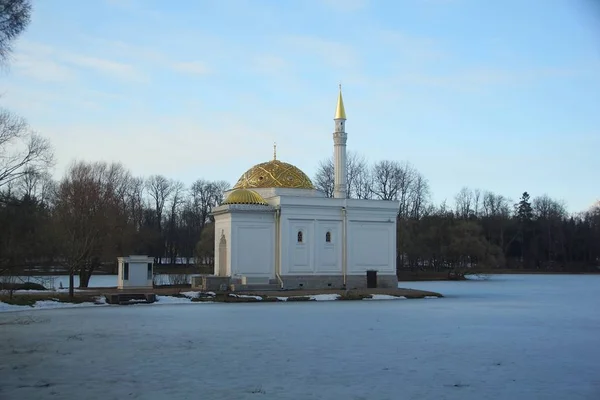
{"x":49,"y":304}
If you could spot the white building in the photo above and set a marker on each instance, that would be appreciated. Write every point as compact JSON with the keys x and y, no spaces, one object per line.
{"x":135,"y":272}
{"x":275,"y":228}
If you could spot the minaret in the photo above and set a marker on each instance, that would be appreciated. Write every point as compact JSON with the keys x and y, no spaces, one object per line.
{"x":339,"y":150}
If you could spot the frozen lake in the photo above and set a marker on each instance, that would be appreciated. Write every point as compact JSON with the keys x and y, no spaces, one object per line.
{"x":512,"y":337}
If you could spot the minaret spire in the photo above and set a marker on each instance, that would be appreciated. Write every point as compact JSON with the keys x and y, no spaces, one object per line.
{"x":340,"y":112}
{"x":340,"y":188}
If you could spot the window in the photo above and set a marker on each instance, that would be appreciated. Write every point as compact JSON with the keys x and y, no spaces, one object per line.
{"x":300,"y":236}
{"x":149,"y":271}
{"x":328,"y":237}
{"x":126,"y":271}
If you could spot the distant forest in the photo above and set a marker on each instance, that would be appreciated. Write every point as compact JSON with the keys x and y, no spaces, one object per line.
{"x":99,"y":211}
{"x":481,"y":230}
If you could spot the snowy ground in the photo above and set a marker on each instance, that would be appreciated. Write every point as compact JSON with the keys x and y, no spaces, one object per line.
{"x":512,"y":337}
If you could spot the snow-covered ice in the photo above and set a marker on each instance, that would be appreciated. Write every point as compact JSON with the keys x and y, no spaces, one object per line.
{"x":51,"y":304}
{"x":385,"y":297}
{"x":511,"y":337}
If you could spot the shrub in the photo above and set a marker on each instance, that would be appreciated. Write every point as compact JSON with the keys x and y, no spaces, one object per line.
{"x":354,"y":296}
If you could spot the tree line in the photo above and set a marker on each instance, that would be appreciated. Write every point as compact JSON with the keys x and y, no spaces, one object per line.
{"x":482,"y":229}
{"x":99,"y":211}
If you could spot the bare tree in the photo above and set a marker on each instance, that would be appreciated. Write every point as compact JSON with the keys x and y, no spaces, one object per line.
{"x":495,"y":205}
{"x":176,"y":200}
{"x":34,"y":184}
{"x":385,"y":179}
{"x":363,"y":184}
{"x":21,"y":150}
{"x":357,"y":170}
{"x":406,"y":177}
{"x":357,"y":176}
{"x":159,"y":188}
{"x":325,"y":176}
{"x":14,"y":18}
{"x":464,"y":202}
{"x":418,"y":197}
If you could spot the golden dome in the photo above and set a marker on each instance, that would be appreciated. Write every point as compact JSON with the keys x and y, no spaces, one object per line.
{"x":274,"y":174}
{"x":245,"y":196}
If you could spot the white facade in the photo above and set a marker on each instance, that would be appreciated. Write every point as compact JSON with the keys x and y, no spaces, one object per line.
{"x":135,"y":272}
{"x":295,"y":238}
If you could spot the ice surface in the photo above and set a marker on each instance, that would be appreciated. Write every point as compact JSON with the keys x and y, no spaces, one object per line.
{"x":511,"y":337}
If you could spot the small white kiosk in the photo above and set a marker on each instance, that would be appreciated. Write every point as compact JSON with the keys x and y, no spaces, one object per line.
{"x":135,"y":272}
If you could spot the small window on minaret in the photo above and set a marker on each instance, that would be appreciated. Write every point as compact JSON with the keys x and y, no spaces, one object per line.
{"x":328,"y":237}
{"x":300,"y":237}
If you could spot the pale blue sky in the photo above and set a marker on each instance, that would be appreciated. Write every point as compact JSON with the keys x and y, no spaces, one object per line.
{"x":496,"y":95}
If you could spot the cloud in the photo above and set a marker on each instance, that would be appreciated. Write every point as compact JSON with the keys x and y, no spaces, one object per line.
{"x":117,"y":69}
{"x":411,"y":48}
{"x":38,"y":62}
{"x":151,"y":147}
{"x":47,"y":63}
{"x":476,"y":78}
{"x":346,"y":5}
{"x":269,"y":64}
{"x":191,"y":67}
{"x":332,"y":53}
{"x":149,"y":56}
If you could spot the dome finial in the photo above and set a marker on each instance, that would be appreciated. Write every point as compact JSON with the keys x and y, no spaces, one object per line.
{"x":340,"y":112}
{"x":274,"y":151}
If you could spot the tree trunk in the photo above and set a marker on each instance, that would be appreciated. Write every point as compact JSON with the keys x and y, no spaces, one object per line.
{"x":71,"y":283}
{"x":84,"y":278}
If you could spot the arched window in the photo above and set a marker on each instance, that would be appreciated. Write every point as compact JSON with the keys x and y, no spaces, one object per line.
{"x":328,"y":237}
{"x":300,"y":237}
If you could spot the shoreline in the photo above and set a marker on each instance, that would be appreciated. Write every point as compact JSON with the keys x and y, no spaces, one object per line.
{"x":35,"y":300}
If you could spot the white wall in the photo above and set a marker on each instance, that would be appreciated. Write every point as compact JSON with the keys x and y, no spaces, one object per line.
{"x":371,"y":236}
{"x":253,"y":244}
{"x":138,"y":274}
{"x":371,"y":245}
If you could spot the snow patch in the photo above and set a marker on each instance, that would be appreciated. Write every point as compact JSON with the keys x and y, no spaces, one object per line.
{"x":51,"y":304}
{"x":172,"y":300}
{"x":325,"y":297}
{"x":245,"y":296}
{"x":385,"y":297}
{"x":191,"y":295}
